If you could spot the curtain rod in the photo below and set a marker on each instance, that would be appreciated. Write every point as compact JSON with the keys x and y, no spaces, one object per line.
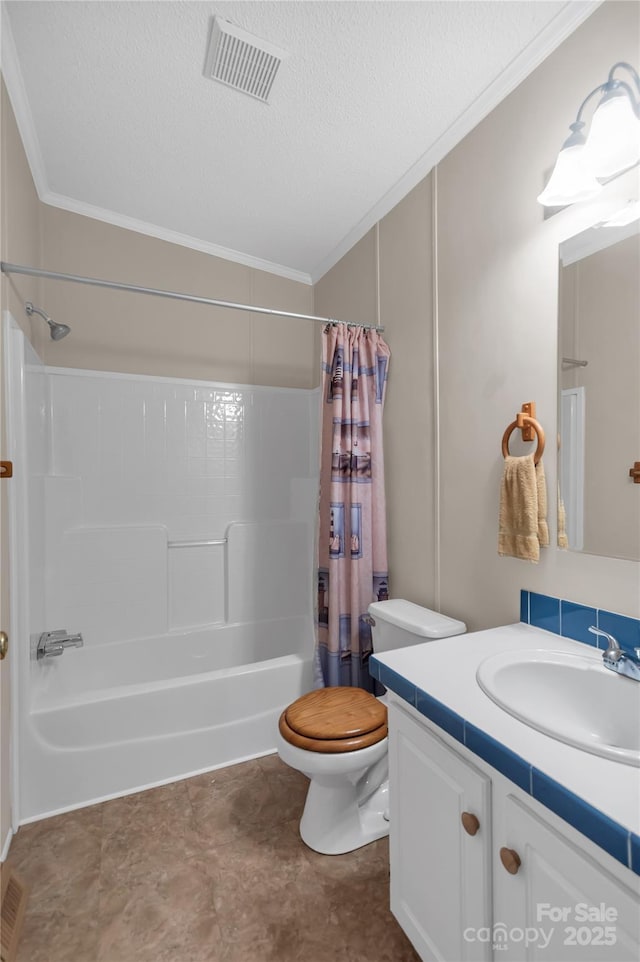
{"x":96,"y":282}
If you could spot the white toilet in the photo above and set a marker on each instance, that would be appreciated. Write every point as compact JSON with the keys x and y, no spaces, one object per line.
{"x":338,"y":738}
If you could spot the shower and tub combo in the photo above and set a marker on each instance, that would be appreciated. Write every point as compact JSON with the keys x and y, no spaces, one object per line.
{"x":169,"y":526}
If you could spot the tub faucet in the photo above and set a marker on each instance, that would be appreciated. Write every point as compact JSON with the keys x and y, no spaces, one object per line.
{"x":625,"y":663}
{"x":55,"y":642}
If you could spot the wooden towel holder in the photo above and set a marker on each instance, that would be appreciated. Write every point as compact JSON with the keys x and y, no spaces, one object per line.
{"x":531,"y":429}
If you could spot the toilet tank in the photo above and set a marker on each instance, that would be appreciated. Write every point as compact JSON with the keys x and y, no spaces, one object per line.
{"x":399,"y":623}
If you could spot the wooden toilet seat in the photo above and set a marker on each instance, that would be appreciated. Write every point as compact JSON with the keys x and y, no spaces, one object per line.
{"x":334,"y":720}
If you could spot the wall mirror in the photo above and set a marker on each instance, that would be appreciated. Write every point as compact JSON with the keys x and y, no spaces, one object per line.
{"x":599,"y":392}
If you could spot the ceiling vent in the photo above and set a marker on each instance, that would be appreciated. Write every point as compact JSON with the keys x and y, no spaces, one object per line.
{"x":240,"y":60}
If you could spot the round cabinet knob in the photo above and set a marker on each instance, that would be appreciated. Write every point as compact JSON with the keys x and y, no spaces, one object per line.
{"x":470,"y":823}
{"x":511,"y":860}
{"x":4,"y":644}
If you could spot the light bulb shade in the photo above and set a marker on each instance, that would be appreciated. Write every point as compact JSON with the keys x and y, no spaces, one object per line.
{"x":571,"y":181}
{"x":613,"y":144}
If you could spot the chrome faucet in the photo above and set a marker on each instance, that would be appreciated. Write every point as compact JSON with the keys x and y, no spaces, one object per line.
{"x":55,"y":642}
{"x":616,"y":659}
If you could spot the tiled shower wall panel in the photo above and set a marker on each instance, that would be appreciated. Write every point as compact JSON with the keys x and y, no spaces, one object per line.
{"x":187,"y":457}
{"x":190,"y":456}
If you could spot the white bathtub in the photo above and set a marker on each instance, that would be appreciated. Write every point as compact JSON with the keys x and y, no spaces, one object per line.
{"x":115,"y":718}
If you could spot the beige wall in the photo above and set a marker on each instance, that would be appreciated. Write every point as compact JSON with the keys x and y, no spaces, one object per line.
{"x":393,"y":263}
{"x":494,"y":317}
{"x":406,"y":292}
{"x":136,"y":333}
{"x":21,"y":221}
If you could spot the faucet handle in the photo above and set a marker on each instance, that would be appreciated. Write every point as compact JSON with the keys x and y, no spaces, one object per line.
{"x":613,"y":652}
{"x":55,"y":642}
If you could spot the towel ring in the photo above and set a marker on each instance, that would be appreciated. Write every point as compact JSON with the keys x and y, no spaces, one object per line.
{"x":519,"y":423}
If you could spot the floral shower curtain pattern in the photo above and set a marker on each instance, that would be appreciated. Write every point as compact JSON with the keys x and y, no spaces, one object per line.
{"x":352,"y":543}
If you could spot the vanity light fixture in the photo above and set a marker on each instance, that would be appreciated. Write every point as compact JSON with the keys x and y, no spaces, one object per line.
{"x":612,"y":145}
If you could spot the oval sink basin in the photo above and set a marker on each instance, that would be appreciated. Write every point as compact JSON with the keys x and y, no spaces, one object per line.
{"x":572,"y":698}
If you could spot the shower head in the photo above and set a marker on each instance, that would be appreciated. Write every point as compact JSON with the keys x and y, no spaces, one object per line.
{"x":58,"y":331}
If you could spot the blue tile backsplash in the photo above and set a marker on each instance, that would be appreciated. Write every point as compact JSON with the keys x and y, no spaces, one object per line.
{"x":625,"y":630}
{"x":575,"y":621}
{"x":570,"y":620}
{"x":544,"y":612}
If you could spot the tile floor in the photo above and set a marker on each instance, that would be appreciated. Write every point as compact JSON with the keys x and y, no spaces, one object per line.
{"x":210,"y":869}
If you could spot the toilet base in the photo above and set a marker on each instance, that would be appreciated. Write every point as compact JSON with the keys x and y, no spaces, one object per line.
{"x":348,"y":795}
{"x":336,"y":820}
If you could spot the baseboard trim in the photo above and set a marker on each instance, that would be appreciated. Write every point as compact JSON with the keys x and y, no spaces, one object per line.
{"x":6,"y":846}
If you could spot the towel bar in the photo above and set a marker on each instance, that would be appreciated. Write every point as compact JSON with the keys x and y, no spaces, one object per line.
{"x":521,"y":421}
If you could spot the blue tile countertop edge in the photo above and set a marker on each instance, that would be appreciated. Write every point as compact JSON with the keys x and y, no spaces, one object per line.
{"x":618,"y":841}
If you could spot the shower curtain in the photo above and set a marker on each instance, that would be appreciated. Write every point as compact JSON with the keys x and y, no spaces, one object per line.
{"x":352,"y":542}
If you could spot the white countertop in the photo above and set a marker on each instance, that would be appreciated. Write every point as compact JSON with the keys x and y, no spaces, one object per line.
{"x":446,"y":670}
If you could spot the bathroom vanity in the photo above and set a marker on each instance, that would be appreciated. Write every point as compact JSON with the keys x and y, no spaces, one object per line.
{"x":505,"y":842}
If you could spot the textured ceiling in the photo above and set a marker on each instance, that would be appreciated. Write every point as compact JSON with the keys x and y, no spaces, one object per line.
{"x":120,"y":123}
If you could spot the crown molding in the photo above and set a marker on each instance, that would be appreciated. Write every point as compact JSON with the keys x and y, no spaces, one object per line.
{"x":172,"y":237}
{"x":567,"y":20}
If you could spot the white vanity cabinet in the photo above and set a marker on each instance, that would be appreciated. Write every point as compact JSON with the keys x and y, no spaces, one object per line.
{"x":523,"y":887}
{"x":438,"y":869}
{"x":572,"y":908}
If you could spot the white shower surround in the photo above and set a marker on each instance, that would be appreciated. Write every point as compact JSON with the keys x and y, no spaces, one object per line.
{"x":138,"y":463}
{"x":190,"y":652}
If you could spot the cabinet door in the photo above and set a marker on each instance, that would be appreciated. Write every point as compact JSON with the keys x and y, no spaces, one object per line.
{"x":440,"y":874}
{"x":560,"y":905}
